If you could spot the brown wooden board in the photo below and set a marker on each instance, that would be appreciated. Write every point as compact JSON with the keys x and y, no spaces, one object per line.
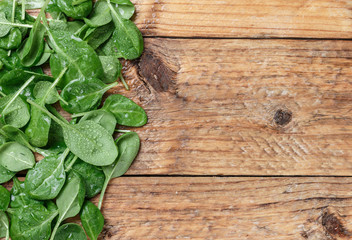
{"x":243,"y":107}
{"x":244,"y":18}
{"x":228,"y":208}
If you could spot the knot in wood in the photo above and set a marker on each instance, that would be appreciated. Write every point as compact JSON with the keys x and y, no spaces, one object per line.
{"x":282,"y":117}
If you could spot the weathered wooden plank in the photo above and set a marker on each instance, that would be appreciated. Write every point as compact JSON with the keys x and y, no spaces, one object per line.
{"x":245,"y":19}
{"x":245,"y":107}
{"x":228,"y":208}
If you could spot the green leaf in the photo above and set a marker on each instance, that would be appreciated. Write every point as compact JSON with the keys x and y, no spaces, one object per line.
{"x":77,"y":55}
{"x":83,"y":95}
{"x":15,"y":113}
{"x":70,"y":199}
{"x":92,"y":176}
{"x":92,"y":220}
{"x":4,"y":198}
{"x":112,"y":68}
{"x":78,"y":11}
{"x":127,"y":37}
{"x":100,"y":15}
{"x":126,"y":112}
{"x":4,"y":226}
{"x":43,"y":89}
{"x":16,"y":135}
{"x":16,"y":157}
{"x":5,"y":175}
{"x":97,"y":36}
{"x":19,"y":197}
{"x":46,"y":179}
{"x":128,"y":145}
{"x":32,"y":222}
{"x":104,"y":118}
{"x":125,"y":8}
{"x":4,"y":29}
{"x":70,"y":231}
{"x":12,"y":40}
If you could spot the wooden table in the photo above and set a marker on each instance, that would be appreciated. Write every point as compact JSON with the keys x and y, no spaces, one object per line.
{"x":250,"y":122}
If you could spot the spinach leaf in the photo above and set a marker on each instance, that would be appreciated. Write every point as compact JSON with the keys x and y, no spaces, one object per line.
{"x":4,"y":198}
{"x":74,"y":10}
{"x":92,"y":220}
{"x":125,"y":8}
{"x":44,"y":90}
{"x":19,"y":197}
{"x":104,"y":118}
{"x":128,"y":145}
{"x":126,"y":112}
{"x":32,"y":222}
{"x":70,"y":199}
{"x":14,"y":111}
{"x":5,"y":175}
{"x":92,"y":176}
{"x":34,"y":4}
{"x":39,"y":124}
{"x":70,"y":231}
{"x":4,"y":226}
{"x":16,"y":157}
{"x":109,"y":49}
{"x":84,"y":95}
{"x":77,"y":55}
{"x":16,"y":135}
{"x":4,"y":29}
{"x":12,"y":40}
{"x":100,"y":15}
{"x":112,"y":68}
{"x":97,"y":36}
{"x":127,"y":37}
{"x":46,"y":179}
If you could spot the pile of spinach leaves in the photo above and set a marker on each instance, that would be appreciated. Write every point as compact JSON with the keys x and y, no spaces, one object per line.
{"x":83,"y":44}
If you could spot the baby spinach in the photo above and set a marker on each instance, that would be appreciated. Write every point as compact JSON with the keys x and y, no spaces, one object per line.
{"x":16,"y":135}
{"x":127,"y":37}
{"x":92,"y":220}
{"x":97,"y":36}
{"x":126,"y":112}
{"x":100,"y":15}
{"x":70,"y":199}
{"x":19,"y":197}
{"x":77,"y":10}
{"x":87,"y":140}
{"x":5,"y":175}
{"x":5,"y":29}
{"x":4,"y":198}
{"x":77,"y":55}
{"x":46,"y":179}
{"x":16,"y":157}
{"x":70,"y":231}
{"x":128,"y":145}
{"x":103,"y":118}
{"x":112,"y":68}
{"x":4,"y":226}
{"x":44,"y":90}
{"x":32,"y":222}
{"x":92,"y":176}
{"x":12,"y":40}
{"x":84,"y":95}
{"x":125,"y":8}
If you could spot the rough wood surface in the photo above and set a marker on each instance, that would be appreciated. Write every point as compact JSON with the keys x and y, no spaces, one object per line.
{"x":245,"y":19}
{"x":244,"y":107}
{"x":228,"y":208}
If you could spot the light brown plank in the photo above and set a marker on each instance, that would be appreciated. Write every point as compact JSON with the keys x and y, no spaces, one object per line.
{"x":228,"y":208}
{"x":245,"y":19}
{"x":214,"y":107}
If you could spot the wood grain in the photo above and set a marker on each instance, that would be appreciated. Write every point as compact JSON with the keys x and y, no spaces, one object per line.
{"x":244,"y":19}
{"x":238,"y":208}
{"x":228,"y":208}
{"x":243,"y":107}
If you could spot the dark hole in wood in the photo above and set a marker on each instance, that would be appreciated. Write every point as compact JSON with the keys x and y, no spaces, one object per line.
{"x":282,"y":117}
{"x":333,"y":225}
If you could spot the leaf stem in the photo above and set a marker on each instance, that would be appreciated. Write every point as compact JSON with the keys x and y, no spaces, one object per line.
{"x":124,"y":82}
{"x":78,"y":115}
{"x":57,"y":120}
{"x":13,"y":11}
{"x":18,"y":93}
{"x":122,"y":131}
{"x":102,"y":193}
{"x":23,"y":9}
{"x":17,"y":24}
{"x":56,"y":114}
{"x":55,"y":229}
{"x":68,"y":168}
{"x":2,"y":94}
{"x":57,"y":80}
